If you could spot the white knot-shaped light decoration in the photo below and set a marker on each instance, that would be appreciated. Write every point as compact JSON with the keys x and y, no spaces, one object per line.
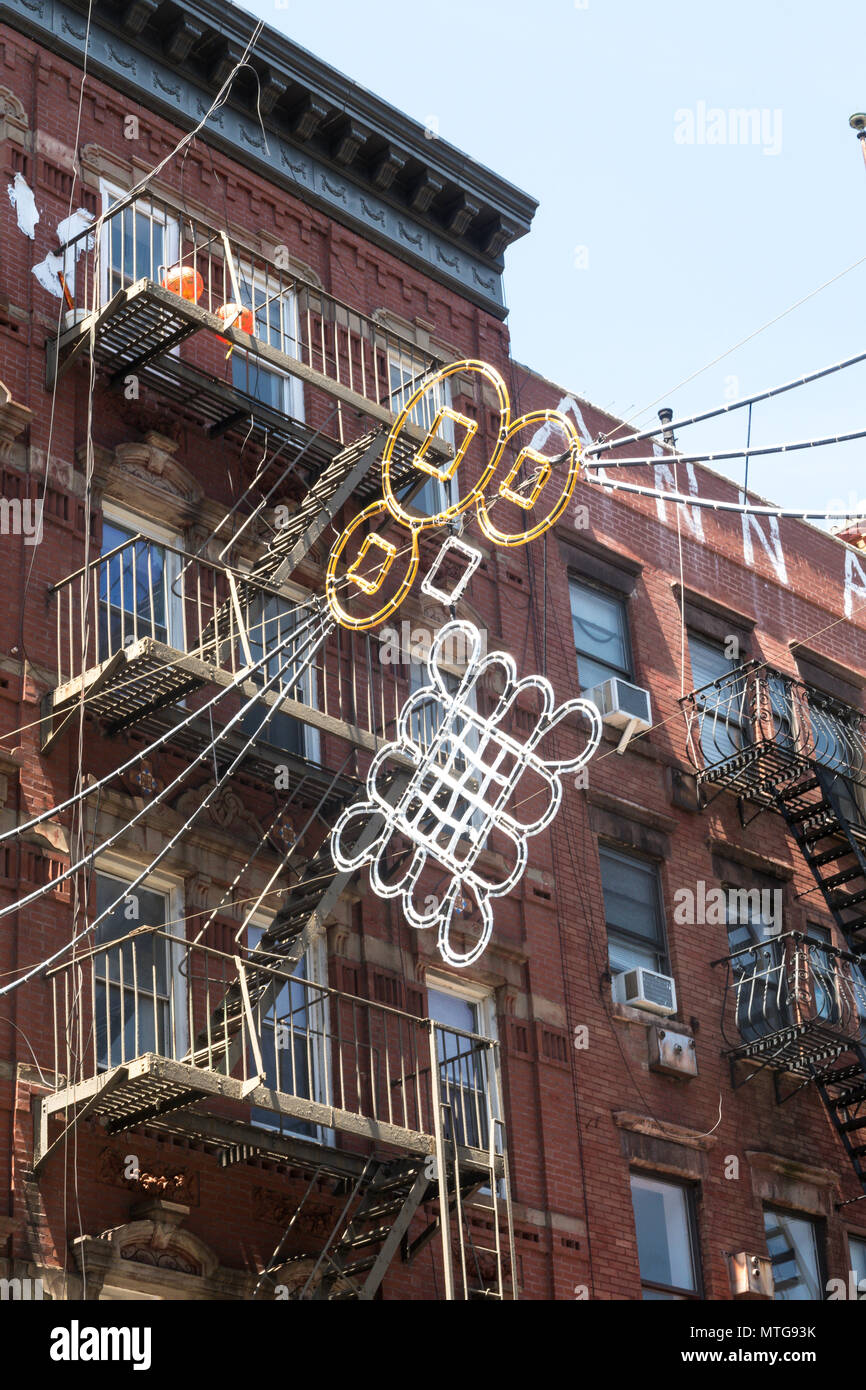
{"x":469,"y":776}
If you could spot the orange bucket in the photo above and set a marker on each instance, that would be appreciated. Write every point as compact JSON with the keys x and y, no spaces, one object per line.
{"x":183,"y":280}
{"x":240,"y":318}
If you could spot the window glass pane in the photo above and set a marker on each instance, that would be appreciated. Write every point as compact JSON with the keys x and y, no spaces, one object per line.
{"x":759,"y":979}
{"x":709,"y":662}
{"x":462,"y":1065}
{"x":664,"y":1243}
{"x":289,"y":1038}
{"x":722,"y":707}
{"x":131,"y":984}
{"x":793,"y":1246}
{"x":404,"y":378}
{"x":857,"y":1249}
{"x":599,"y":635}
{"x":132,"y":590}
{"x":630,"y":895}
{"x":271,"y":622}
{"x":138,"y":245}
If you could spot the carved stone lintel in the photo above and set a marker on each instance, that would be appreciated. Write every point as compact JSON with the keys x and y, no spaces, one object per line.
{"x":145,"y":476}
{"x":226,"y":810}
{"x":14,"y":419}
{"x":13,"y":118}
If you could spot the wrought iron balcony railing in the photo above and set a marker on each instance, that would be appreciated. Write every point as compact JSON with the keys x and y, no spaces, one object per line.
{"x":791,"y":1001}
{"x":757,"y":727}
{"x":151,"y":1023}
{"x":156,"y":274}
{"x":147,"y":623}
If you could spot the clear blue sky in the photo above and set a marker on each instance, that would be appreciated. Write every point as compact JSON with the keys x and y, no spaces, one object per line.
{"x":689,"y":247}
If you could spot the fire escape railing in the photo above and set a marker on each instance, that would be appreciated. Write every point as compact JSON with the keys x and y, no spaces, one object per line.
{"x":326,"y":340}
{"x":757,"y":727}
{"x":154,"y":993}
{"x":790,"y":1000}
{"x":144,"y":592}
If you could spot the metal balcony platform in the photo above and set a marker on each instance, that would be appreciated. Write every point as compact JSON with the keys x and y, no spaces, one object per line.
{"x":145,"y":1090}
{"x":147,"y":675}
{"x":143,"y":322}
{"x":796,"y":1048}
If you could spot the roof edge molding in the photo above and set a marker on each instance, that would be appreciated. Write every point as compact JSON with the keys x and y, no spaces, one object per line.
{"x":329,"y":141}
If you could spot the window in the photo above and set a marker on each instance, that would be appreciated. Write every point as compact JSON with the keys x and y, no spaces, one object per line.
{"x":465,"y":1082}
{"x":404,"y":378}
{"x":271,"y":621}
{"x":666,"y":1238}
{"x":792,"y":1242}
{"x":293,"y":1042}
{"x":721,"y":709}
{"x":137,"y":989}
{"x":857,"y":1255}
{"x":137,"y":587}
{"x":632,"y":909}
{"x":275,"y":323}
{"x":137,"y":243}
{"x":758,"y":977}
{"x":835,"y":742}
{"x":600,"y":634}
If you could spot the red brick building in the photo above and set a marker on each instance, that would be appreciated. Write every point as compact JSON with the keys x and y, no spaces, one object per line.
{"x":250,"y":1076}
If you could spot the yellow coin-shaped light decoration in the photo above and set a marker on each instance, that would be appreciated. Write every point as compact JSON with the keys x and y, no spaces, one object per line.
{"x":429,"y":403}
{"x":542,"y":481}
{"x":367,"y":574}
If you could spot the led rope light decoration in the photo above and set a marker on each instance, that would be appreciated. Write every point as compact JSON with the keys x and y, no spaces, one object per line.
{"x":477,"y":495}
{"x":469,"y":780}
{"x":470,"y":776}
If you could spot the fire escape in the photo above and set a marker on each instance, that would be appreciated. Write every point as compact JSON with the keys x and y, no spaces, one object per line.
{"x":794,"y":1003}
{"x":397,"y":1118}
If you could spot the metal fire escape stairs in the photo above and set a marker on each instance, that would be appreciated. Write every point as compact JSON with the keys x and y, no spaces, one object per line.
{"x":821,"y":814}
{"x":387,"y":1195}
{"x":821,"y":809}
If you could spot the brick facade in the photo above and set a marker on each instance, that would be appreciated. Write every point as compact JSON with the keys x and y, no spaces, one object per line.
{"x":578,"y":1118}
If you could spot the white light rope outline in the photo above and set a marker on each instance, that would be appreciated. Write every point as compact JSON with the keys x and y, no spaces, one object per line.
{"x":477,"y":765}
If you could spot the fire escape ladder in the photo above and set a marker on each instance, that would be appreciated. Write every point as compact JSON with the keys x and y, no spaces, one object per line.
{"x":816,"y":814}
{"x":370,"y":1236}
{"x":843,"y":1091}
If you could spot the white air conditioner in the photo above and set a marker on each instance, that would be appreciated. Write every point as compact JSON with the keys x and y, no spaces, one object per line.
{"x":623,"y":706}
{"x":646,"y":989}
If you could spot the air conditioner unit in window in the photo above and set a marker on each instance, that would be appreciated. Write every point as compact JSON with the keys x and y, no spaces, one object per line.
{"x":646,"y":989}
{"x":622,"y":706}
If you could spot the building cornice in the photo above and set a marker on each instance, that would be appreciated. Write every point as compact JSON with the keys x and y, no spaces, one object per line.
{"x":329,"y":141}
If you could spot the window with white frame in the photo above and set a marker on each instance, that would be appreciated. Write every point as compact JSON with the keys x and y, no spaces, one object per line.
{"x":795,"y":1251}
{"x":138,"y":595}
{"x":293,"y":1039}
{"x":467,"y":1086}
{"x":275,"y":322}
{"x":139,"y":242}
{"x":272,"y":620}
{"x":667,"y":1243}
{"x":139,"y":988}
{"x":405,"y":375}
